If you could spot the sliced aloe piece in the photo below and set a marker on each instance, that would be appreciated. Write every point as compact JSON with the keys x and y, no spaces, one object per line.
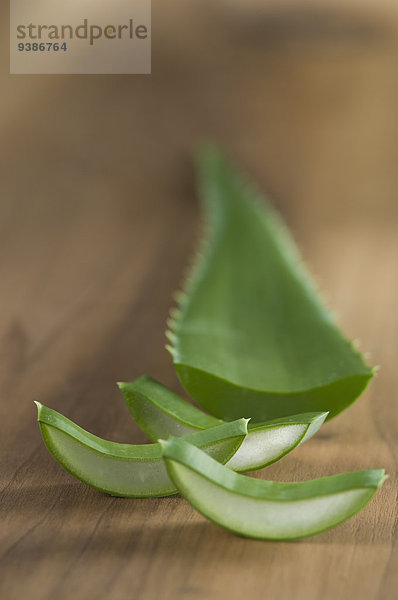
{"x":266,"y":509}
{"x":126,"y":469}
{"x":160,"y":413}
{"x":270,"y":441}
{"x":251,"y":335}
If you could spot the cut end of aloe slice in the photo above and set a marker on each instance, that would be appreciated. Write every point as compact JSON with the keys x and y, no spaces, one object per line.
{"x":268,"y":442}
{"x":266,"y":509}
{"x":226,"y":400}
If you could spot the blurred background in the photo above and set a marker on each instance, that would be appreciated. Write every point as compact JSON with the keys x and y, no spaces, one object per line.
{"x":98,"y":214}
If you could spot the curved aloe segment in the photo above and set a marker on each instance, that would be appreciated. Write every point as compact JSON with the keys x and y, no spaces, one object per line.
{"x":266,"y":509}
{"x":160,"y":413}
{"x":251,"y":335}
{"x":126,"y":469}
{"x":270,"y":441}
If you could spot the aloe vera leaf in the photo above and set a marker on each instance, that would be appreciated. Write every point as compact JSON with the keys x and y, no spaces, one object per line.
{"x":160,"y":413}
{"x":126,"y":469}
{"x":266,"y":509}
{"x":251,"y":334}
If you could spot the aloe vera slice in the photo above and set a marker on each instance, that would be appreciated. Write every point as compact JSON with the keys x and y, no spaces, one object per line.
{"x":126,"y":469}
{"x":266,"y":509}
{"x":251,"y":334}
{"x":160,"y":413}
{"x":270,"y":441}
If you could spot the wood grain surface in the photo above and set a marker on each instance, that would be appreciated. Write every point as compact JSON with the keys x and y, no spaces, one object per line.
{"x":98,"y":217}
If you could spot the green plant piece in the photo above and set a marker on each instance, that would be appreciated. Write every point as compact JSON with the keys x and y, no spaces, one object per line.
{"x":270,"y":441}
{"x":160,"y":413}
{"x":126,"y":469}
{"x":266,"y":509}
{"x":251,"y":335}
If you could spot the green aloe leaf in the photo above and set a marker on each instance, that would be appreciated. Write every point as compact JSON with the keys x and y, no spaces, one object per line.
{"x":251,"y":335}
{"x":160,"y":413}
{"x":266,"y":509}
{"x":126,"y":469}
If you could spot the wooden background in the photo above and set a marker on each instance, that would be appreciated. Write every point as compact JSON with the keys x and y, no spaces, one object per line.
{"x":98,"y":217}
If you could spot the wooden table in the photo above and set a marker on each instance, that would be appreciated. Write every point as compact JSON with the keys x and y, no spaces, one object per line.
{"x":98,"y":216}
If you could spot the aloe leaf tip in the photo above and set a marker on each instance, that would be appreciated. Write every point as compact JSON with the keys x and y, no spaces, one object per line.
{"x":39,"y":407}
